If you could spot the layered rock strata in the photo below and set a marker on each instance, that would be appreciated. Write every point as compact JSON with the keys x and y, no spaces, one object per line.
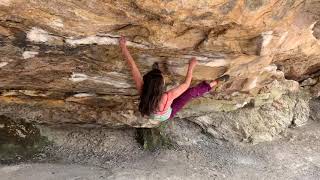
{"x":60,"y":61}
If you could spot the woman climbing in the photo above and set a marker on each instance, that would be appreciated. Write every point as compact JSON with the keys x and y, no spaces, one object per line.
{"x":155,"y":101}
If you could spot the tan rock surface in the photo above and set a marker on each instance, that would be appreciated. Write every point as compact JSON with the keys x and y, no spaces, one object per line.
{"x":60,"y":61}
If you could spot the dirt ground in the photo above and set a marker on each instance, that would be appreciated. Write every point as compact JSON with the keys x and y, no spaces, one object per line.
{"x":295,"y":156}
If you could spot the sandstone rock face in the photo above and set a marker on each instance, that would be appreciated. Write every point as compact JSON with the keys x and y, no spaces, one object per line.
{"x":257,"y":122}
{"x":60,"y":62}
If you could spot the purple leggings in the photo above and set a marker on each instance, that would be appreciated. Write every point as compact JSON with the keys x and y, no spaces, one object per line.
{"x":188,"y":95}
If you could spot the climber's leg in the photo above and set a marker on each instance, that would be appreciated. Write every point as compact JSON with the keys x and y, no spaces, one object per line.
{"x":189,"y":94}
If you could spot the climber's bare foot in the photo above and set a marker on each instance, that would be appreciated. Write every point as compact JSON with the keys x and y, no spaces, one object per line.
{"x":213,"y":83}
{"x":223,"y":78}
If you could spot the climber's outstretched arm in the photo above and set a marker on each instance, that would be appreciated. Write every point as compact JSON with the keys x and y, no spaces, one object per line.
{"x":134,"y":69}
{"x":177,"y":91}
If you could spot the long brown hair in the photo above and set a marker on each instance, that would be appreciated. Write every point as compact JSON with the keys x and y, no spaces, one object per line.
{"x":152,"y":90}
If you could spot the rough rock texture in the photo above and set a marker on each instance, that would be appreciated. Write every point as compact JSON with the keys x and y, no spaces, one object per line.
{"x":256,"y":124}
{"x":315,"y":109}
{"x":60,"y":62}
{"x":315,"y":88}
{"x":19,"y":141}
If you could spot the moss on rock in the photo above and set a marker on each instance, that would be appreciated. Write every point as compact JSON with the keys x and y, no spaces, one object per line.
{"x":19,"y":140}
{"x":154,"y":138}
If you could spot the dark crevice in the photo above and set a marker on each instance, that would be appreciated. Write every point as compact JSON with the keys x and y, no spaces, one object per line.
{"x":2,"y":41}
{"x":204,"y":39}
{"x":20,"y":38}
{"x":214,"y":33}
{"x":184,"y":31}
{"x":316,"y":30}
{"x":55,"y":95}
{"x":139,"y":136}
{"x":122,"y":27}
{"x":314,"y":75}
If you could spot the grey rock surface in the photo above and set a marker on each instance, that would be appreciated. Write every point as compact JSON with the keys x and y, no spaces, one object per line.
{"x":198,"y":156}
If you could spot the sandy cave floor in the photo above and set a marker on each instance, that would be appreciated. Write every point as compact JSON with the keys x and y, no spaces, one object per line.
{"x":296,"y":156}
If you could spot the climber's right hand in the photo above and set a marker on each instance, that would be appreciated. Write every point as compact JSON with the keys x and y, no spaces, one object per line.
{"x":122,"y":41}
{"x":193,"y":62}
